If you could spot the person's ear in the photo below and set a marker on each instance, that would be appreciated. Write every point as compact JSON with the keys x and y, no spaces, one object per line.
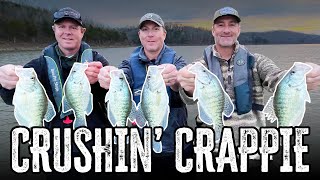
{"x":212,"y":30}
{"x":53,"y":28}
{"x":83,"y":30}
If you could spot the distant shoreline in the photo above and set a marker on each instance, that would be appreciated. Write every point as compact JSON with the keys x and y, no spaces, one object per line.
{"x":7,"y":47}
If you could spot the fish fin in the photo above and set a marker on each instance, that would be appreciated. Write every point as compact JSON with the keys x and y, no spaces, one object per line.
{"x":307,"y":96}
{"x":111,"y":118}
{"x":203,"y":115}
{"x":140,"y":118}
{"x":51,"y":113}
{"x":106,"y":99}
{"x":165,"y":118}
{"x":65,"y":105}
{"x":79,"y":121}
{"x":228,"y":105}
{"x":133,"y":112}
{"x":90,"y":105}
{"x":269,"y":112}
{"x":22,"y":121}
{"x":217,"y":131}
{"x":157,"y":146}
{"x":196,"y":91}
{"x":299,"y":118}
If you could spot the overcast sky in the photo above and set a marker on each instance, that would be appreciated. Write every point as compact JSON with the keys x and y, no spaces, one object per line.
{"x":258,"y":15}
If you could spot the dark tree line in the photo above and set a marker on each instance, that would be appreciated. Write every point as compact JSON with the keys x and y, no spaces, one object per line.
{"x":21,"y":23}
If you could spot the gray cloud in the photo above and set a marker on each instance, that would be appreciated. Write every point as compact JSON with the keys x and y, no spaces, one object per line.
{"x":128,"y":12}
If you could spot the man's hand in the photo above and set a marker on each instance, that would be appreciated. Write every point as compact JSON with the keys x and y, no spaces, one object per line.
{"x":93,"y":70}
{"x":169,"y":75}
{"x":313,"y":77}
{"x":104,"y":76}
{"x":8,"y":77}
{"x":186,"y":80}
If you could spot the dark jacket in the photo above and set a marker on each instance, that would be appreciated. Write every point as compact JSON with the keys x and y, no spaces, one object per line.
{"x":98,"y":117}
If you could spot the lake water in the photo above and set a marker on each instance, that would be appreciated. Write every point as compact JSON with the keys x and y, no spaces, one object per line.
{"x":283,"y":55}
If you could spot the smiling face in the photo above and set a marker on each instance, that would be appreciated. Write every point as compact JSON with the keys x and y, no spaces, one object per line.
{"x":152,"y":37}
{"x":68,"y":34}
{"x":226,"y":31}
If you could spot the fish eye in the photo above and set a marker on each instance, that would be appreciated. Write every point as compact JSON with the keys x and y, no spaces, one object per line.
{"x":203,"y":70}
{"x":292,"y":72}
{"x":149,"y":77}
{"x":121,"y":78}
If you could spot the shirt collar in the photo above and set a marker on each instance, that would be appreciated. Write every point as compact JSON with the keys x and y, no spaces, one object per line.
{"x":62,"y":56}
{"x":216,"y":53}
{"x":143,"y":57}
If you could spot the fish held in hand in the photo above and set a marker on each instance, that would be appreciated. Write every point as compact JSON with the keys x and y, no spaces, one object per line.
{"x":77,"y":96}
{"x":288,"y":104}
{"x":213,"y":101}
{"x":30,"y":100}
{"x":119,"y":99}
{"x":153,"y":107}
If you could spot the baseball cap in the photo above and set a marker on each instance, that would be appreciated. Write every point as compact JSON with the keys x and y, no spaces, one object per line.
{"x":226,"y":11}
{"x":151,"y":17}
{"x":67,"y":12}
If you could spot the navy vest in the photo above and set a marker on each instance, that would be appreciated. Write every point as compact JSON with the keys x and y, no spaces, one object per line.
{"x":242,"y":78}
{"x":139,"y":63}
{"x":178,"y":111}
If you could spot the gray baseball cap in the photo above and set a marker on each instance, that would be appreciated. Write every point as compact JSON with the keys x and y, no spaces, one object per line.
{"x":67,"y":12}
{"x":151,"y":17}
{"x":226,"y":11}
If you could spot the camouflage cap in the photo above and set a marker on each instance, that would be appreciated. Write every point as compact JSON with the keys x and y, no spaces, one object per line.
{"x":151,"y":17}
{"x":226,"y":11}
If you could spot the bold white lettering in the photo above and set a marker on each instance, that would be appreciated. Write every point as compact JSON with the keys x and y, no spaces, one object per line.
{"x":77,"y":160}
{"x":227,"y":143}
{"x":179,"y":149}
{"x":244,"y":148}
{"x":201,"y":150}
{"x":15,"y":149}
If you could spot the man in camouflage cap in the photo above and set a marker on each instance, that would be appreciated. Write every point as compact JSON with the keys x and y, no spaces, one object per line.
{"x":243,"y":74}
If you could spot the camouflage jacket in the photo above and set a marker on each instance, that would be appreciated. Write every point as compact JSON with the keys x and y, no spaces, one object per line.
{"x":265,"y":77}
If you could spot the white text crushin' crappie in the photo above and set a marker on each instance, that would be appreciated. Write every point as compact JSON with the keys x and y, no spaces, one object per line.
{"x":264,"y":142}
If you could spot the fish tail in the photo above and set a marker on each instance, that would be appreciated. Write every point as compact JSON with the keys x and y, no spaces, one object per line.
{"x":157,"y":146}
{"x":269,"y":112}
{"x":79,"y":121}
{"x":140,"y":118}
{"x":217,"y":130}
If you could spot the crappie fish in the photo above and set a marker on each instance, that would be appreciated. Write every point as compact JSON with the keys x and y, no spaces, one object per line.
{"x":154,"y":103}
{"x":287,"y":105}
{"x":77,"y":96}
{"x":213,"y":101}
{"x":119,"y":99}
{"x":30,"y":100}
